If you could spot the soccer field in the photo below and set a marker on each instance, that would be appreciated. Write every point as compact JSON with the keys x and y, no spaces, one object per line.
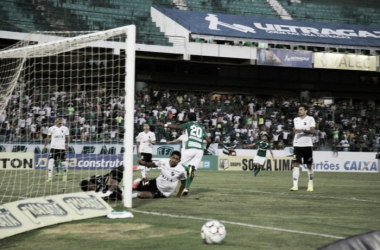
{"x":258,"y":213}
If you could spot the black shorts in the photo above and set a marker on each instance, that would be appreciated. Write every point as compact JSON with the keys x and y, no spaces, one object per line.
{"x":151,"y":186}
{"x":57,"y":154}
{"x":146,"y":157}
{"x":303,"y":155}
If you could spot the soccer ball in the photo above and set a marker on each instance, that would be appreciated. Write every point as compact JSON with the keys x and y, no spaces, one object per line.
{"x":213,"y":232}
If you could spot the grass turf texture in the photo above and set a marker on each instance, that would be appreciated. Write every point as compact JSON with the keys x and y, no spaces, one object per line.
{"x":258,"y":213}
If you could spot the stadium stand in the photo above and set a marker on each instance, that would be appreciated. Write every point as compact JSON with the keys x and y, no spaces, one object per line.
{"x":231,"y":111}
{"x":350,"y":12}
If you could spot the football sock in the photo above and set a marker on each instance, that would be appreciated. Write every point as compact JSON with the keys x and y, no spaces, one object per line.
{"x":64,"y":165}
{"x":296,"y":174}
{"x":257,"y":170}
{"x":188,"y":182}
{"x":143,"y":172}
{"x":310,"y":173}
{"x":50,"y":167}
{"x":56,"y":166}
{"x":188,"y":178}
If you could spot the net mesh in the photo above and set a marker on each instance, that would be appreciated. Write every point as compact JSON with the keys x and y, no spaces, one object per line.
{"x":79,"y":76}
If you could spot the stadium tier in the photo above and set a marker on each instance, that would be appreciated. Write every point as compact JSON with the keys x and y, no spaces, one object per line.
{"x":23,"y":16}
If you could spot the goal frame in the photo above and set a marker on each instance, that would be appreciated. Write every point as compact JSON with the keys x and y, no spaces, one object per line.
{"x":38,"y":50}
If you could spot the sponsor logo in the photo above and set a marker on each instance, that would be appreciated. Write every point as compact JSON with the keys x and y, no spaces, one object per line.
{"x":348,"y":166}
{"x":165,"y":150}
{"x":206,"y":164}
{"x":294,"y":30}
{"x":38,"y":209}
{"x":85,"y":163}
{"x":16,"y":163}
{"x":7,"y":220}
{"x":360,"y":166}
{"x":80,"y":203}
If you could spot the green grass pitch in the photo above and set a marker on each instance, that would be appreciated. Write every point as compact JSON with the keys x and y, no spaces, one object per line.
{"x":258,"y":213}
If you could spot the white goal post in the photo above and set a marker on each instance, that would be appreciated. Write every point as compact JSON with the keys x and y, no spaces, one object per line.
{"x":26,"y":87}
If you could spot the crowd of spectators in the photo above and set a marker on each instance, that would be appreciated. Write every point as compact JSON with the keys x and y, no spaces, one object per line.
{"x":235,"y":119}
{"x":231,"y":120}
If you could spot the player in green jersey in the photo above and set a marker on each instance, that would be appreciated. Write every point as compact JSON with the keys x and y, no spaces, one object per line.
{"x":260,"y":157}
{"x":194,"y":146}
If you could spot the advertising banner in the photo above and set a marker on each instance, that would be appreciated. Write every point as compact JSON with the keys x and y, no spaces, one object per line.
{"x":231,"y":163}
{"x":86,"y":148}
{"x":25,"y":215}
{"x":16,"y":161}
{"x":83,"y":161}
{"x":344,"y":61}
{"x":357,"y":162}
{"x":269,"y":29}
{"x":285,"y":58}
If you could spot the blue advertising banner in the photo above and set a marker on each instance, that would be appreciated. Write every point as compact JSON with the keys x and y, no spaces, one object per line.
{"x":285,"y":58}
{"x":105,"y":162}
{"x":83,"y":161}
{"x":224,"y":25}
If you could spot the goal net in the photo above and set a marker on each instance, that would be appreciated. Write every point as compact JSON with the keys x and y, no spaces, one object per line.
{"x":83,"y":77}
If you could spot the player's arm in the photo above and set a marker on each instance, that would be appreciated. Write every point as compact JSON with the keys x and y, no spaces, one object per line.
{"x":112,"y":186}
{"x":208,"y":142}
{"x":173,"y":126}
{"x":181,"y":188}
{"x":137,"y":148}
{"x":173,"y":141}
{"x":47,"y":139}
{"x":271,"y":153}
{"x":112,"y":183}
{"x":153,"y":142}
{"x":249,"y":145}
{"x":146,"y":164}
{"x":67,"y":141}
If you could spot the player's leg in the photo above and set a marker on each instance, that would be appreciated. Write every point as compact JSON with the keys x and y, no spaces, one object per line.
{"x":187,"y":156}
{"x":146,"y":189}
{"x":297,"y":160}
{"x":64,"y":164}
{"x":308,"y":159}
{"x":144,"y":170}
{"x":57,"y":164}
{"x":51,"y":164}
{"x":192,"y":167}
{"x":257,"y":161}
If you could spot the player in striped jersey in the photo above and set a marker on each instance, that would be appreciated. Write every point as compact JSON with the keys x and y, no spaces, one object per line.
{"x":260,"y":157}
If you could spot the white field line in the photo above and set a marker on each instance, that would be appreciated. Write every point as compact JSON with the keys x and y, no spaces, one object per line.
{"x":238,"y":224}
{"x":293,"y":194}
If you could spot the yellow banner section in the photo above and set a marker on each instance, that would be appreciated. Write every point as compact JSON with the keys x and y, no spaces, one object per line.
{"x":16,"y":161}
{"x":25,"y":215}
{"x":344,"y":61}
{"x":229,"y":163}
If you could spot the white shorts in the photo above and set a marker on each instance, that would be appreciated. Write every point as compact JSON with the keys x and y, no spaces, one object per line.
{"x":259,"y":160}
{"x":192,"y":157}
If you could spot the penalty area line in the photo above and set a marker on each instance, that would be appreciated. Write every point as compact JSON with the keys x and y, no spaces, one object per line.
{"x":238,"y":224}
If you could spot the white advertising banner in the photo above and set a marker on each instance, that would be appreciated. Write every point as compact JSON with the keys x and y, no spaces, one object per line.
{"x":16,"y":161}
{"x":324,"y":161}
{"x":359,"y":162}
{"x":25,"y":215}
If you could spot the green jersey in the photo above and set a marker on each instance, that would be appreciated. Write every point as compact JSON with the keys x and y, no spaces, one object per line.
{"x":195,"y":133}
{"x":263,"y":147}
